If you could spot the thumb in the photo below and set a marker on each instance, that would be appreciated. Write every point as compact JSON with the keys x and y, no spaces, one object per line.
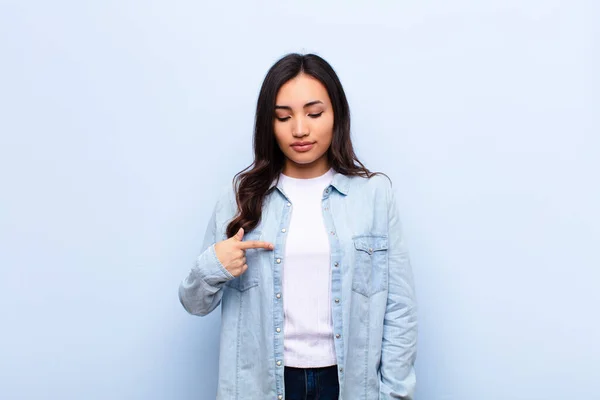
{"x":239,"y":235}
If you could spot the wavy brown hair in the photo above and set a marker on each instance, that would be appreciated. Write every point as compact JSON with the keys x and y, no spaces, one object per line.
{"x":252,"y":184}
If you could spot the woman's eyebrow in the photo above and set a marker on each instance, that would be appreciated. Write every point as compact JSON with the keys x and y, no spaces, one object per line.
{"x":310,"y":103}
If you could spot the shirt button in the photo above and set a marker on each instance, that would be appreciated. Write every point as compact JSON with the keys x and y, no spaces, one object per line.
{"x":278,"y":363}
{"x":370,"y":251}
{"x":289,"y":204}
{"x":337,"y":335}
{"x":278,"y":330}
{"x":283,"y":230}
{"x":341,"y":369}
{"x":337,"y":300}
{"x":332,"y":232}
{"x":278,"y":295}
{"x":280,"y":397}
{"x":336,"y":264}
{"x":278,"y":261}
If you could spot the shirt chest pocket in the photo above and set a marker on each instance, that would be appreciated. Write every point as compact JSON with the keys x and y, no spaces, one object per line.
{"x":370,"y":265}
{"x":251,"y":277}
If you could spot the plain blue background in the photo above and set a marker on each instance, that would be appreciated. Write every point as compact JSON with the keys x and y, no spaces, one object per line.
{"x":120,"y":119}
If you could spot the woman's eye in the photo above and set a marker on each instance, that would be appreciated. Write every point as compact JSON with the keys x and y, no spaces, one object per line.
{"x":282,"y":119}
{"x":315,"y":115}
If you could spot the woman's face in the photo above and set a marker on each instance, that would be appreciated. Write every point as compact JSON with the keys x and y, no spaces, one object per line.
{"x":303,"y":126}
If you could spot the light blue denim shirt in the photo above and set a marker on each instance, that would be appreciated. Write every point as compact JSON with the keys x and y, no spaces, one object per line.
{"x":372,"y":295}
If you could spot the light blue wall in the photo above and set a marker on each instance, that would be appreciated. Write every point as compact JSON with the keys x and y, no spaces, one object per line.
{"x":118,"y":119}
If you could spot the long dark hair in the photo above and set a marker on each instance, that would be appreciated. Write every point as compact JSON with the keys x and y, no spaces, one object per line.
{"x":252,"y":183}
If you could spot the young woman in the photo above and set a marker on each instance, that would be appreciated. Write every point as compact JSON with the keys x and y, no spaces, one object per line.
{"x":306,"y":257}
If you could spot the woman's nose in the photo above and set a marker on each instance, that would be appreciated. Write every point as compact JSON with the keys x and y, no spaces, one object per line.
{"x":300,"y":128}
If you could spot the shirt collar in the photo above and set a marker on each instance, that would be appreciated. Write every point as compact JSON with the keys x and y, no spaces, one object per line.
{"x":339,"y":181}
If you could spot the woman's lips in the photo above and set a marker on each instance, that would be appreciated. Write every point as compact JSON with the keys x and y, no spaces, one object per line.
{"x":301,"y":148}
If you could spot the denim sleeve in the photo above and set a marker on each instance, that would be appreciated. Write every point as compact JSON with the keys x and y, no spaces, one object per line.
{"x":399,"y":346}
{"x":201,"y":292}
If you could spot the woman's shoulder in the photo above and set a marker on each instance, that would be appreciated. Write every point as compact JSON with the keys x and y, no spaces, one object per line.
{"x":226,"y":198}
{"x":373,"y":189}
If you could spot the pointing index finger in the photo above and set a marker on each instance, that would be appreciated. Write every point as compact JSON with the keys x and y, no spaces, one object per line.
{"x":256,"y":244}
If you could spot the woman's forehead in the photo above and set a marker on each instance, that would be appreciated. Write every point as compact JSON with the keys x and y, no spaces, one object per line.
{"x":301,"y":90}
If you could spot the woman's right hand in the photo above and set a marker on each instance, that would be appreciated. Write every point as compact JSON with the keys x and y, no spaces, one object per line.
{"x":232,"y":252}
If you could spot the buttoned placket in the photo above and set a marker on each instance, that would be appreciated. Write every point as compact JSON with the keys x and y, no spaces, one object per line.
{"x":278,"y":313}
{"x":336,"y":279}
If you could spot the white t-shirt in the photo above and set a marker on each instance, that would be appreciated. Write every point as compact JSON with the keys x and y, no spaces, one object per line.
{"x":306,"y":277}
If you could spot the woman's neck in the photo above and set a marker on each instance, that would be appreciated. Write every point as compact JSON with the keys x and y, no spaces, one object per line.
{"x":306,"y":171}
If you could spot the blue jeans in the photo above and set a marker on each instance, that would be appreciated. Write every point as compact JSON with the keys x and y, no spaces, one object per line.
{"x":311,"y":383}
